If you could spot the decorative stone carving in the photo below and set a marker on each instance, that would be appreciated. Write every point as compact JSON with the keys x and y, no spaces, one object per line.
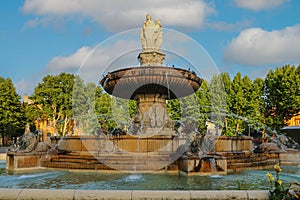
{"x":44,"y":146}
{"x":151,"y":34}
{"x":151,"y":58}
{"x":158,"y":115}
{"x":267,"y":147}
{"x":151,"y":38}
{"x":26,"y":143}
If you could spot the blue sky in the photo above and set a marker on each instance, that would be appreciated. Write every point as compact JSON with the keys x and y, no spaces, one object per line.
{"x":40,"y":37}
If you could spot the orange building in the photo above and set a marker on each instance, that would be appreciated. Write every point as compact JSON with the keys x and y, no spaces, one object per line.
{"x":294,"y":121}
{"x":293,"y":128}
{"x":46,"y":126}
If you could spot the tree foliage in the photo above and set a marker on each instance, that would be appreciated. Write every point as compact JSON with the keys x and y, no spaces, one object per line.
{"x":282,"y":94}
{"x":244,"y":103}
{"x":11,"y":110}
{"x":204,"y":100}
{"x":236,"y":104}
{"x":53,"y":96}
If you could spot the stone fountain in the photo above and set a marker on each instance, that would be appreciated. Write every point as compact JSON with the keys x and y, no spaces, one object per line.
{"x":151,"y":143}
{"x":151,"y":84}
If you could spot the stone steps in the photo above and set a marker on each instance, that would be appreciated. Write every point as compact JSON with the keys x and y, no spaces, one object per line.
{"x":240,"y":160}
{"x":70,"y":165}
{"x":110,"y":161}
{"x":108,"y":166}
{"x":137,"y":162}
{"x":118,"y":159}
{"x":252,"y":164}
{"x":247,"y":159}
{"x":113,"y":156}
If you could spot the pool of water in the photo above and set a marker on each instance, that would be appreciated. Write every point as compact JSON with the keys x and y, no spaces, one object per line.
{"x":50,"y":179}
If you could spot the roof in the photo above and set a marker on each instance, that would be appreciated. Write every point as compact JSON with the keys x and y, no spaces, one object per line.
{"x":290,"y":128}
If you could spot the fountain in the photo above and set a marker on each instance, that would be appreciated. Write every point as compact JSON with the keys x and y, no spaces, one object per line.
{"x":151,"y":84}
{"x":151,"y":143}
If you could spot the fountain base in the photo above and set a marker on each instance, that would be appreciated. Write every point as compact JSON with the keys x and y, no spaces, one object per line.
{"x":145,"y":154}
{"x":208,"y":165}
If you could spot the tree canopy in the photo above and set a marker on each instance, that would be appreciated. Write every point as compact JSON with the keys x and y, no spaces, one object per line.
{"x":12,"y":120}
{"x":282,"y":95}
{"x":240,"y":102}
{"x":54,"y":99}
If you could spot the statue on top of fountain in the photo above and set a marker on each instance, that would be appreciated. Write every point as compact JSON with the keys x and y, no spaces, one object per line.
{"x":151,"y":38}
{"x":151,"y":34}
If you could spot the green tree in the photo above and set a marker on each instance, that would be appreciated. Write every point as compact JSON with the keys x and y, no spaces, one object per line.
{"x":282,"y":92}
{"x":244,"y":103}
{"x":31,"y":111}
{"x":81,"y":98}
{"x":103,"y":107}
{"x":204,"y":101}
{"x":190,"y":112}
{"x":229,"y":120}
{"x":218,"y":100}
{"x":257,"y":115}
{"x":84,"y":106}
{"x":174,"y":109}
{"x":54,"y":95}
{"x":11,"y":110}
{"x":97,"y":111}
{"x":239,"y":102}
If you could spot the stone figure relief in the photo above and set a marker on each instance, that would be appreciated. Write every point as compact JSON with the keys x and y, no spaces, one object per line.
{"x":157,"y":116}
{"x":151,"y":34}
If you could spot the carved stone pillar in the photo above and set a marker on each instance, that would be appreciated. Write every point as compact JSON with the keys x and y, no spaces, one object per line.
{"x":151,"y":114}
{"x":154,"y":58}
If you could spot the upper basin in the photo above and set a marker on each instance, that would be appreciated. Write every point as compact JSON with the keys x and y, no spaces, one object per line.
{"x":157,"y":80}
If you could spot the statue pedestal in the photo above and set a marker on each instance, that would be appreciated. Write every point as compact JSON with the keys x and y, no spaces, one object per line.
{"x":151,"y":58}
{"x":151,"y":116}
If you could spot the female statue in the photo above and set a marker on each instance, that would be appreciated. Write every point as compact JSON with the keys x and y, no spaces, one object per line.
{"x":151,"y":34}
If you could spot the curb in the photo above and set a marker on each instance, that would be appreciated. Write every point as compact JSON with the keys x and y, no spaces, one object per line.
{"x":23,"y":194}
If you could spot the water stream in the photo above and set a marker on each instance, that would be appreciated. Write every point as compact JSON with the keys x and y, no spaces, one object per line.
{"x":166,"y":74}
{"x":213,"y":165}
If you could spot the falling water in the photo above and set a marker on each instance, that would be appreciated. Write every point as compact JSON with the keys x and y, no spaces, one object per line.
{"x":142,"y":124}
{"x":213,"y":165}
{"x":106,"y":79}
{"x":166,"y":74}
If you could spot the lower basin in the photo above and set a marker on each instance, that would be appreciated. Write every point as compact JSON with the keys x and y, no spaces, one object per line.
{"x":63,"y":179}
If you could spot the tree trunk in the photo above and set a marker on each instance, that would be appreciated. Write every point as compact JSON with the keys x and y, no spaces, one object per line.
{"x":237,"y":128}
{"x":2,"y":141}
{"x":65,"y":125}
{"x":226,"y":124}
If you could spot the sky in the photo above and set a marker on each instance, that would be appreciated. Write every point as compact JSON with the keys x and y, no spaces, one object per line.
{"x":40,"y":37}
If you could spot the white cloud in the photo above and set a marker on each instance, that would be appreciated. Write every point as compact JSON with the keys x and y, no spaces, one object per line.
{"x":56,"y":22}
{"x":255,"y":46}
{"x":118,"y":15}
{"x":91,"y":62}
{"x":257,"y":5}
{"x":32,"y":23}
{"x":73,"y":61}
